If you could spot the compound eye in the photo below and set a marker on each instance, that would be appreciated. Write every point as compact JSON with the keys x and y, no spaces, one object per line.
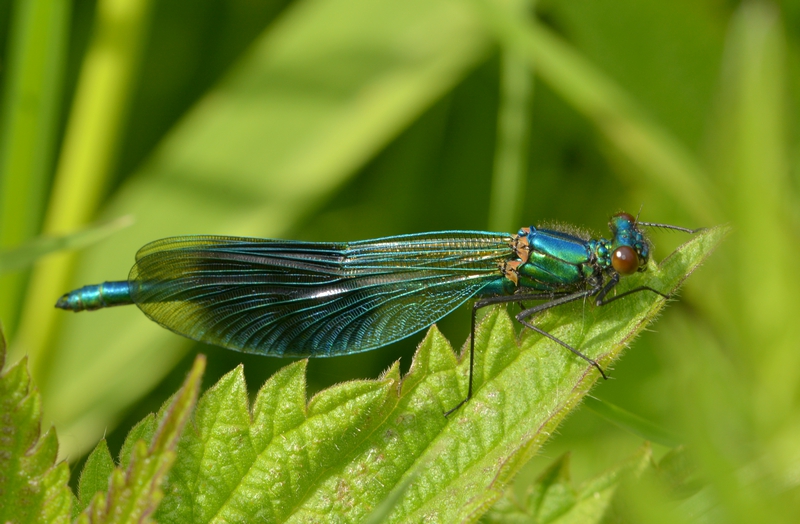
{"x":626,"y":216}
{"x":624,"y":260}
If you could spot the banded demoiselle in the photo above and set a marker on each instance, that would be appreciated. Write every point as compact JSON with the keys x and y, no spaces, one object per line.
{"x":322,"y":299}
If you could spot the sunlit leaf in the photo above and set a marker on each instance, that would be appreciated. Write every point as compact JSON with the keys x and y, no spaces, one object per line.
{"x":134,"y":489}
{"x":95,"y":474}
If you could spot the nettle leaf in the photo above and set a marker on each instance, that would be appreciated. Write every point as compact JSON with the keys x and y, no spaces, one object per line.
{"x":339,"y":456}
{"x":552,"y":499}
{"x":95,"y":474}
{"x":33,"y":488}
{"x":132,"y":491}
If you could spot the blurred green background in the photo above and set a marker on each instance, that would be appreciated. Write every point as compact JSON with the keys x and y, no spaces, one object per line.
{"x":352,"y":119}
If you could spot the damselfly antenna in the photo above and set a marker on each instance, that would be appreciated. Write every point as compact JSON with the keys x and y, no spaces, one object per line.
{"x":668,"y":226}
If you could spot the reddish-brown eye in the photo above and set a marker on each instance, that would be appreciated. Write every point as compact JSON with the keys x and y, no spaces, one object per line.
{"x":626,"y":216}
{"x":624,"y":260}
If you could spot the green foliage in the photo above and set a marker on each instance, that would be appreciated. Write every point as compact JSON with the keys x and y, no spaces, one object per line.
{"x":552,"y":499}
{"x":28,"y":253}
{"x":33,"y":487}
{"x":132,"y":492}
{"x":632,"y":422}
{"x":272,"y":139}
{"x":643,"y":142}
{"x":347,"y":449}
{"x":353,"y":445}
{"x":350,"y":119}
{"x":33,"y":93}
{"x":95,"y":474}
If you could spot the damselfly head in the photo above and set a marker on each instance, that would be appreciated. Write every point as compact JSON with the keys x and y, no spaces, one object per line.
{"x":630,"y":249}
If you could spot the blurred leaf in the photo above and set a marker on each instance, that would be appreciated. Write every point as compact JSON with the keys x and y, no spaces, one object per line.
{"x":654,"y":498}
{"x":553,"y":499}
{"x":666,"y":55}
{"x":750,"y":145}
{"x":679,"y":472}
{"x":742,"y":414}
{"x":33,"y":488}
{"x":189,"y":47}
{"x":513,"y":134}
{"x":32,"y":94}
{"x":717,"y":426}
{"x":84,"y":166}
{"x":134,"y":494}
{"x":660,"y":157}
{"x":28,"y":253}
{"x":343,"y":453}
{"x":324,"y":88}
{"x":632,"y":422}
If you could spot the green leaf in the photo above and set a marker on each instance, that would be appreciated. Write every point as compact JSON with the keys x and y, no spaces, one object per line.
{"x":33,"y":70}
{"x":134,"y":489}
{"x":679,"y":472}
{"x":95,"y":474}
{"x":673,"y":490}
{"x":553,"y":499}
{"x":632,"y":422}
{"x":340,"y":455}
{"x":144,"y":430}
{"x":513,"y":136}
{"x":30,"y":252}
{"x":33,"y":488}
{"x":385,"y":508}
{"x":661,"y":158}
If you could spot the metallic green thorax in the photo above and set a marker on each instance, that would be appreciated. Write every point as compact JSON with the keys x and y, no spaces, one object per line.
{"x":554,"y":260}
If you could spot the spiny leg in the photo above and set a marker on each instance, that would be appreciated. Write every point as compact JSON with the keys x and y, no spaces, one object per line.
{"x":613,"y":281}
{"x":578,"y":295}
{"x":482,"y":303}
{"x":601,"y":293}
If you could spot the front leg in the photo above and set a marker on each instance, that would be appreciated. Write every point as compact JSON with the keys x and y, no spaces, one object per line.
{"x":612,"y":282}
{"x":523,"y":317}
{"x":480,"y":304}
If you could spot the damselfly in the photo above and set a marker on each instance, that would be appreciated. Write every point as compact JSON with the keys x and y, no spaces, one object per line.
{"x":323,"y":299}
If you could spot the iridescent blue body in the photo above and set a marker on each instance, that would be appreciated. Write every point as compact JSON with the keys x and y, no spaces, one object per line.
{"x":98,"y":296}
{"x":291,"y":298}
